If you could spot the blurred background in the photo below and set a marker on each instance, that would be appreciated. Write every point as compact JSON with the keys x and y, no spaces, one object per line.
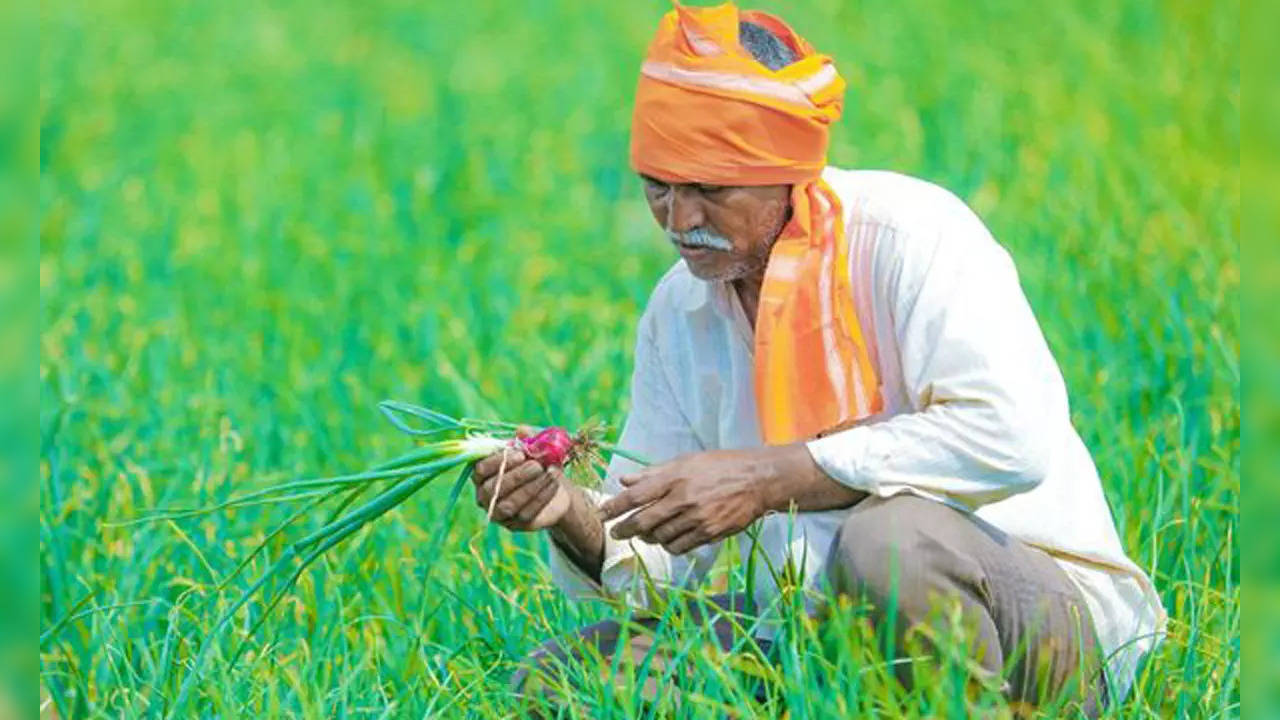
{"x":19,"y":295}
{"x":260,"y":218}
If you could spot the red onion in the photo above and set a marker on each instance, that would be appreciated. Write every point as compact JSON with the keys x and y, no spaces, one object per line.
{"x":549,"y":447}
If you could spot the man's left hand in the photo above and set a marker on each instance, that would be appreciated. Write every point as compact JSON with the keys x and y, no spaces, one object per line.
{"x":695,"y":499}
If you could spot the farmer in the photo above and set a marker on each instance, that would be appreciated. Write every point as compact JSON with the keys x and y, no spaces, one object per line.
{"x":845,"y":358}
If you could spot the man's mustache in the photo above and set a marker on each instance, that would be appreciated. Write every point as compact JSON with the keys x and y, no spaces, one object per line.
{"x":700,"y":237}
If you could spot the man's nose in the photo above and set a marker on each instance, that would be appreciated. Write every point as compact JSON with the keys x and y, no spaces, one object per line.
{"x":685,"y":213}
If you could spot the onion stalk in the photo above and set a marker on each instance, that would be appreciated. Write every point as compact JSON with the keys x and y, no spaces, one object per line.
{"x":454,"y":443}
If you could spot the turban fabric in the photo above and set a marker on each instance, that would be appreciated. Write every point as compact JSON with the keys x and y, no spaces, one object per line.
{"x":707,"y":112}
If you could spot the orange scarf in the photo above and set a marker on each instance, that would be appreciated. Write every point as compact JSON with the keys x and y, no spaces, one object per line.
{"x":707,"y":112}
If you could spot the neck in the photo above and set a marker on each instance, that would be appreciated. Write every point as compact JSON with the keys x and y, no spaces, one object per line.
{"x":748,"y":289}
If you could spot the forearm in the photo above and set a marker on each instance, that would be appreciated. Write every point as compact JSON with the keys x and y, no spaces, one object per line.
{"x":580,"y":534}
{"x":793,"y":480}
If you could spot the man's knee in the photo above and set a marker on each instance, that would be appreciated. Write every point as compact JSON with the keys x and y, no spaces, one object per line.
{"x":882,"y":548}
{"x":538,"y":672}
{"x":531,"y":664}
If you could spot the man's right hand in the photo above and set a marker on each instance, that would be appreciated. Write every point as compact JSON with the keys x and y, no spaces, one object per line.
{"x":530,"y":496}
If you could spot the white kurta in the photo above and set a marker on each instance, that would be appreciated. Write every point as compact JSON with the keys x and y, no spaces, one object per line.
{"x":975,"y":409}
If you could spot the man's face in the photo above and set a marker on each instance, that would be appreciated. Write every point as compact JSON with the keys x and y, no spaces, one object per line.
{"x":723,"y":232}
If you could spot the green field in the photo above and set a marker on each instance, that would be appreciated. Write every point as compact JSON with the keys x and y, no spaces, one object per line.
{"x":259,"y":219}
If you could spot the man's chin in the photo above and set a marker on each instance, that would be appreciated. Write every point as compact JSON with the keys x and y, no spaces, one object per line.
{"x":715,"y":272}
{"x":704,"y":270}
{"x":714,"y":265}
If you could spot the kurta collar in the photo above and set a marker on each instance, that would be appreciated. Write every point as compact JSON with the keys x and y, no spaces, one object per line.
{"x":701,"y":293}
{"x":719,"y":297}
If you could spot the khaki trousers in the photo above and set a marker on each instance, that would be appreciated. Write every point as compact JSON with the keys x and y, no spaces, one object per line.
{"x":1028,"y":623}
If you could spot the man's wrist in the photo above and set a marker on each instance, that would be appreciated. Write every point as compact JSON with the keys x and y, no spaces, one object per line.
{"x":579,"y":534}
{"x":561,"y":532}
{"x":796,"y":480}
{"x":571,"y":519}
{"x":777,"y":484}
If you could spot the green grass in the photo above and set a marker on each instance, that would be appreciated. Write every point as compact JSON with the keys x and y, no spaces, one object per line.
{"x":259,"y":219}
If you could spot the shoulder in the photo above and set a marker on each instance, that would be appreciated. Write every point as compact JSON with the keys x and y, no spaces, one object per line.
{"x":896,"y":200}
{"x":906,"y":233}
{"x":894,"y":214}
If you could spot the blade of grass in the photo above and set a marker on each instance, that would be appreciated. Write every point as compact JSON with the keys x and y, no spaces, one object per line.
{"x":71,"y":615}
{"x":327,"y":537}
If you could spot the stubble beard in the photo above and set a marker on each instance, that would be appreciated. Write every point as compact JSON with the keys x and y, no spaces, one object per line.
{"x":753,"y":262}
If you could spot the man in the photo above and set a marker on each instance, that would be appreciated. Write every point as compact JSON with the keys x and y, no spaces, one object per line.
{"x":846,"y":358}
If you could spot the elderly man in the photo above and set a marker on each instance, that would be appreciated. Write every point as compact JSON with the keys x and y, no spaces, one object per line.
{"x":845,"y":360}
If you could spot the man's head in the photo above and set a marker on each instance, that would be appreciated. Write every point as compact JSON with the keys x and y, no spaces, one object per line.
{"x":725,"y":232}
{"x":730,"y":129}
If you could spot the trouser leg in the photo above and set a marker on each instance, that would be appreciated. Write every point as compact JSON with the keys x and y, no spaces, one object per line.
{"x":547,"y":675}
{"x":1027,"y":620}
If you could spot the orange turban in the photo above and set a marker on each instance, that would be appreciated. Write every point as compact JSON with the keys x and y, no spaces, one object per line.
{"x":707,"y":112}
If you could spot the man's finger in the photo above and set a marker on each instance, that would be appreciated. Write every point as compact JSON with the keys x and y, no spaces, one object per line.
{"x":489,"y":466}
{"x":633,"y":497}
{"x":534,"y":505}
{"x":673,"y":528}
{"x":686,"y":542}
{"x":510,"y":503}
{"x":639,"y":475}
{"x":644,"y":520}
{"x":516,"y":475}
{"x":512,"y":478}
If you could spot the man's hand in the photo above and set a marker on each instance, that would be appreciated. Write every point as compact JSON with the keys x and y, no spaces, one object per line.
{"x":693,"y":500}
{"x":703,"y":497}
{"x":530,"y":497}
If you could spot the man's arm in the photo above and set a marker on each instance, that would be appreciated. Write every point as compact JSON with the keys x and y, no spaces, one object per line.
{"x":986,"y":405}
{"x":797,"y":482}
{"x":704,"y":497}
{"x":584,"y":560}
{"x":580,"y":534}
{"x":534,"y":498}
{"x":988,"y":399}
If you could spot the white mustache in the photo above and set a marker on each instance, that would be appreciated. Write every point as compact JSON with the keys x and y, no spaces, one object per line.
{"x":700,"y":237}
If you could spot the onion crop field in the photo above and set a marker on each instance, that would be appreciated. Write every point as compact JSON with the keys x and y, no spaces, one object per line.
{"x":260,"y":219}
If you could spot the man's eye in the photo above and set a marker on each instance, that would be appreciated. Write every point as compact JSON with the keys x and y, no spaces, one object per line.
{"x":656,"y":187}
{"x":712,"y":189}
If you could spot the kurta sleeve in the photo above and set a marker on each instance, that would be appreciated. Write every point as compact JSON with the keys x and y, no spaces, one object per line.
{"x":655,"y":430}
{"x":984,"y":390}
